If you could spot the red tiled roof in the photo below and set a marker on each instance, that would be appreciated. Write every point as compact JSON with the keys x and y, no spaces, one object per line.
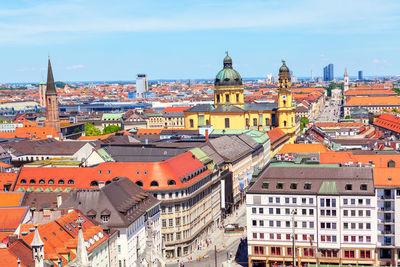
{"x":338,"y":124}
{"x":176,"y":168}
{"x":388,"y":121}
{"x":275,"y":134}
{"x":7,"y":178}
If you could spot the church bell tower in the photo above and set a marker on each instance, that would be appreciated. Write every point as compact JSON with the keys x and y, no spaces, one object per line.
{"x":52,"y":117}
{"x":286,"y":110}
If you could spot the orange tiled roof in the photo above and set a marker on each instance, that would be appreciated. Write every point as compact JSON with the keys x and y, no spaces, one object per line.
{"x":386,"y":177}
{"x":302,"y":148}
{"x":149,"y":131}
{"x":373,"y":101}
{"x":7,"y":178}
{"x":11,"y":218}
{"x":174,"y":109}
{"x":369,"y":92}
{"x":336,"y":157}
{"x":380,"y":161}
{"x":338,"y":124}
{"x":388,"y":121}
{"x":10,"y":199}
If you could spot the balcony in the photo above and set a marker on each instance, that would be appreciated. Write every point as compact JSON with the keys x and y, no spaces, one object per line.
{"x":385,"y":221}
{"x":386,"y":209}
{"x":386,"y":197}
{"x":386,"y":233}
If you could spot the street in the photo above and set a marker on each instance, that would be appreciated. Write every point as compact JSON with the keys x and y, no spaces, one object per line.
{"x":330,"y":112}
{"x":225,"y":243}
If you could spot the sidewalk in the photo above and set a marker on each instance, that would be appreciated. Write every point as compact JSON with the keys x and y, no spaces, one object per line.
{"x":219,"y":238}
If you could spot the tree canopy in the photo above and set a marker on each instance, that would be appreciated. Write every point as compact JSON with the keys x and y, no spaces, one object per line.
{"x":90,"y":130}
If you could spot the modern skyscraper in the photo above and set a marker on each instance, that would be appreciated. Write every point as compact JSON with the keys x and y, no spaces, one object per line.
{"x":141,"y":86}
{"x":52,"y":117}
{"x":312,"y":76}
{"x":328,"y":73}
{"x":346,"y":80}
{"x":360,"y":75}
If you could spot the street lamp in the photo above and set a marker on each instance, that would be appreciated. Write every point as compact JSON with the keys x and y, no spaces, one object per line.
{"x":316,"y":253}
{"x":293,"y":212}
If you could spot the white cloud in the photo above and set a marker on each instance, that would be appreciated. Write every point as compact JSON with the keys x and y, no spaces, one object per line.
{"x":379,"y":61}
{"x":74,"y":67}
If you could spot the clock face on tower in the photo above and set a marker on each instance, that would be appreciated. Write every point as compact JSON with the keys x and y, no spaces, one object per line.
{"x":283,"y":97}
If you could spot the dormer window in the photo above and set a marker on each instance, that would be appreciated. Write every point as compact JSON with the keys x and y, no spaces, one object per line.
{"x":363,"y":187}
{"x":279,"y":186}
{"x":307,"y":186}
{"x":265,"y":185}
{"x":105,"y":218}
{"x":293,"y":186}
{"x":349,"y":187}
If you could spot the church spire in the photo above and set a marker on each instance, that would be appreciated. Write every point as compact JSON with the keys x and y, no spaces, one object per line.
{"x":37,"y":249}
{"x":82,"y":259}
{"x":51,"y":87}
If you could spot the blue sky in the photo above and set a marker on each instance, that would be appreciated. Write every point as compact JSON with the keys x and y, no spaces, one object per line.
{"x":114,"y":40}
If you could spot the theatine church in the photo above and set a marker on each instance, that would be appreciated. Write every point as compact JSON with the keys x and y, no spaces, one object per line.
{"x":231,"y":112}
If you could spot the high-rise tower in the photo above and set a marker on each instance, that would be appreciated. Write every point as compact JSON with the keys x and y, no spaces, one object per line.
{"x":346,"y":80}
{"x":286,"y":110}
{"x":52,"y":117}
{"x":141,"y":86}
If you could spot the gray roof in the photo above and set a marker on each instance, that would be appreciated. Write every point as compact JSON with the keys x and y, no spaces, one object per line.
{"x":42,"y":200}
{"x":200,"y":108}
{"x":260,"y":106}
{"x":212,"y":154}
{"x":126,"y":153}
{"x":249,"y":141}
{"x":115,"y":199}
{"x":227,"y":108}
{"x":324,"y":180}
{"x":230,"y":148}
{"x":44,"y":147}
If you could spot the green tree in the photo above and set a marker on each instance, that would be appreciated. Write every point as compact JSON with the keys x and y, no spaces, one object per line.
{"x":395,"y":110}
{"x":303,"y":122}
{"x":90,"y":130}
{"x":347,"y":117}
{"x":111,"y":129}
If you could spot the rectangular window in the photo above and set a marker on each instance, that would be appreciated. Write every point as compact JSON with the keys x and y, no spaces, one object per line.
{"x":164,"y":223}
{"x":237,"y":98}
{"x":254,"y":235}
{"x":294,"y":200}
{"x":271,"y":236}
{"x":171,"y":222}
{"x":287,"y":211}
{"x":312,"y":225}
{"x":254,"y":210}
{"x":261,"y":222}
{"x":277,"y":199}
{"x":287,"y":200}
{"x":271,"y":211}
{"x":227,"y":98}
{"x":322,"y":202}
{"x":227,"y":125}
{"x":255,"y":122}
{"x":304,"y":200}
{"x":254,"y":223}
{"x":271,"y":223}
{"x":261,"y":235}
{"x":261,"y":210}
{"x":278,"y":211}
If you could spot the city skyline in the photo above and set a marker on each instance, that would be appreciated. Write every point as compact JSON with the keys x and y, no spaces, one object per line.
{"x":97,"y":41}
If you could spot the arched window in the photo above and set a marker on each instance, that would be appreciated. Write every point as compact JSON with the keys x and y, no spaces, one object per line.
{"x":154,"y":183}
{"x":61,"y":181}
{"x":266,"y":121}
{"x":94,"y":183}
{"x":227,"y":124}
{"x":71,"y":181}
{"x":191,"y":122}
{"x":284,"y":123}
{"x":108,"y":182}
{"x":171,"y":182}
{"x":41,"y":181}
{"x":391,"y":164}
{"x":32,"y":181}
{"x":51,"y":181}
{"x":139,"y":183}
{"x":23,"y":181}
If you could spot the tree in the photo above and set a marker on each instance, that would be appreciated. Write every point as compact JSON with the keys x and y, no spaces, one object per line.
{"x":303,"y":122}
{"x":111,"y":129}
{"x":395,"y":110}
{"x":347,"y":117}
{"x":90,"y":130}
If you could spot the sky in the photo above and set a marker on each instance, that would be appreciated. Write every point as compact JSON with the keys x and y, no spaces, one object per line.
{"x":96,"y":40}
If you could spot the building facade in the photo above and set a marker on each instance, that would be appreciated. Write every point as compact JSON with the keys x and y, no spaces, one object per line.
{"x":231,"y":112}
{"x":312,"y":215}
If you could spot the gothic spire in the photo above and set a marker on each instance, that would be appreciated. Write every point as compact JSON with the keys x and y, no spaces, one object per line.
{"x":51,"y":87}
{"x":81,"y":252}
{"x":37,"y":241}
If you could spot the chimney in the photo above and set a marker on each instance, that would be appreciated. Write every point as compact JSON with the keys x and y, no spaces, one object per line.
{"x":59,"y":200}
{"x":206,"y":135}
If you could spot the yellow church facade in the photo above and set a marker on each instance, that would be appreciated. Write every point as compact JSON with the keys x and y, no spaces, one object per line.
{"x":231,"y":112}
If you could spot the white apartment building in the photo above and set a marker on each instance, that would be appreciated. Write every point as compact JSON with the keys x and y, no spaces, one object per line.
{"x":333,"y":210}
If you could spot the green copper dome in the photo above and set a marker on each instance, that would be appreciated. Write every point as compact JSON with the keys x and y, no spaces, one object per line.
{"x":228,"y":76}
